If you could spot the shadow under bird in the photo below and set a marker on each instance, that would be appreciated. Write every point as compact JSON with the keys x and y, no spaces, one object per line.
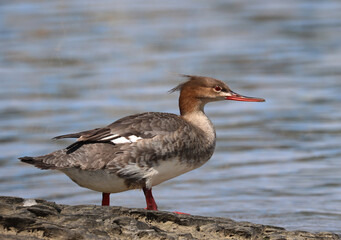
{"x":144,"y":150}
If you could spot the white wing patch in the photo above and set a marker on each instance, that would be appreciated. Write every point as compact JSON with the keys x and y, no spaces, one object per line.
{"x":110,"y":137}
{"x":134,"y":138}
{"x":120,"y":140}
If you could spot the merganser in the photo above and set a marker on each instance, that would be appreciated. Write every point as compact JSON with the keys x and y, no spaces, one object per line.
{"x":144,"y":150}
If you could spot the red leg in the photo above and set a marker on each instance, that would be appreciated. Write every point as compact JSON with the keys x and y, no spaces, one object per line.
{"x":105,"y":199}
{"x":151,"y":204}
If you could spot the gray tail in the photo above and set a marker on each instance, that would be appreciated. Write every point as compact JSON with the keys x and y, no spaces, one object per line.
{"x":29,"y":160}
{"x":37,"y":162}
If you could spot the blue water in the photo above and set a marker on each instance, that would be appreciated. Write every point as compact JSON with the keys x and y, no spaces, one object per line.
{"x":69,"y":66}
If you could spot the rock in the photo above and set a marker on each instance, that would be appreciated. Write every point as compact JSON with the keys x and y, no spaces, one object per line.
{"x":39,"y":219}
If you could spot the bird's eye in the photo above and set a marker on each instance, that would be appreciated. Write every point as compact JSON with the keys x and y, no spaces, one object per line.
{"x":217,"y":88}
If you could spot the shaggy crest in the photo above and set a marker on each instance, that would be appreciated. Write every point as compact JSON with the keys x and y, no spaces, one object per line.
{"x":199,"y":80}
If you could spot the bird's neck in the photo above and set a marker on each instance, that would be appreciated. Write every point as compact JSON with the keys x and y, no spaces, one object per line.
{"x":192,"y":110}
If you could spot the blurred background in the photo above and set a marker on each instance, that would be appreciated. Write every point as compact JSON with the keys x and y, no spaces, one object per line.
{"x":73,"y":65}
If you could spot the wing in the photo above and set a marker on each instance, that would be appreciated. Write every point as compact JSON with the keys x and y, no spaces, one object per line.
{"x":128,"y":129}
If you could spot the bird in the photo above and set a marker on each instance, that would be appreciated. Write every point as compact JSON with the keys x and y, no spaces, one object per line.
{"x":143,"y":150}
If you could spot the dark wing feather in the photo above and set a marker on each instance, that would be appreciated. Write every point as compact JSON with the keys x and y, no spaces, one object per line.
{"x":83,"y":133}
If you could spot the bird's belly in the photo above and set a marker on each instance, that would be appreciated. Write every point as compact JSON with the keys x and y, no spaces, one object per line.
{"x":97,"y":180}
{"x":170,"y":169}
{"x":104,"y":181}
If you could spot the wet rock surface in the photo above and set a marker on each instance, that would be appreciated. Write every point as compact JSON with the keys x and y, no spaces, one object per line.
{"x":40,"y":219}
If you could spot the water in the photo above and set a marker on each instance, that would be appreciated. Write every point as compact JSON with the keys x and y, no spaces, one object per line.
{"x":68,"y":66}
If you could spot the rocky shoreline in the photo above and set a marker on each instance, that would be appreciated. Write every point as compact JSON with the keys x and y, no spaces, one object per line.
{"x":39,"y":219}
